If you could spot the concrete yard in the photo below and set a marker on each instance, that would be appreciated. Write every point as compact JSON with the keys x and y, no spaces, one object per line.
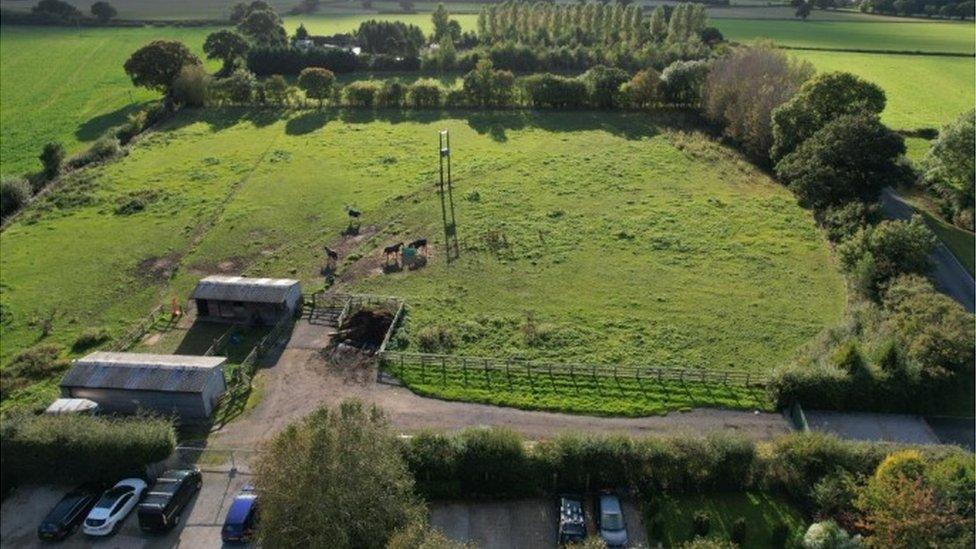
{"x":877,"y":427}
{"x":199,"y":526}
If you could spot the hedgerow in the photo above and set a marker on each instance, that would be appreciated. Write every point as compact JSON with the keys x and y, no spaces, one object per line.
{"x":75,"y":448}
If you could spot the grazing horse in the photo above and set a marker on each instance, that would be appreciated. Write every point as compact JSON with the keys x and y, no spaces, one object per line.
{"x":332,"y":254}
{"x":418,"y":244}
{"x":354,"y":213}
{"x":393,"y":250}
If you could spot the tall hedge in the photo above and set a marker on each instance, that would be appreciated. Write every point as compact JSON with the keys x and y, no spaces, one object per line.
{"x":265,"y":61}
{"x":75,"y":448}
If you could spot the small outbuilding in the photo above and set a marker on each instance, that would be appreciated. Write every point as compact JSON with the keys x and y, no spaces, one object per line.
{"x":249,"y":300}
{"x":124,"y":383}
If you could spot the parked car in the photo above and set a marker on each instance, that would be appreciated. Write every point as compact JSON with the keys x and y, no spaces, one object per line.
{"x":610,"y":521}
{"x":68,"y":514}
{"x":167,"y":498}
{"x":107,"y":515}
{"x":242,"y":517}
{"x":572,"y":521}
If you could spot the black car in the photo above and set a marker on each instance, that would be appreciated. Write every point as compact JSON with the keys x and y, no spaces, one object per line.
{"x":167,"y":498}
{"x":69,"y":513}
{"x":572,"y":522}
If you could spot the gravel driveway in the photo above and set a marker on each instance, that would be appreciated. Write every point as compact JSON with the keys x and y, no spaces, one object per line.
{"x":300,"y":380}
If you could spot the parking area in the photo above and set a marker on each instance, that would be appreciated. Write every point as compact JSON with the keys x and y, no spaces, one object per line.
{"x":517,"y":524}
{"x":873,"y":427}
{"x":199,"y":525}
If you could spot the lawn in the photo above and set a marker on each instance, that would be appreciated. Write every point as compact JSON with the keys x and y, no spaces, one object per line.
{"x":671,"y":517}
{"x":922,"y":91}
{"x":625,"y":236}
{"x":928,"y":36}
{"x":68,"y":85}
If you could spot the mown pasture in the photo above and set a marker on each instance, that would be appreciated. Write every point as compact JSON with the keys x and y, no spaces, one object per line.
{"x":906,"y":35}
{"x":68,"y":85}
{"x":617,"y":237}
{"x":923,"y":91}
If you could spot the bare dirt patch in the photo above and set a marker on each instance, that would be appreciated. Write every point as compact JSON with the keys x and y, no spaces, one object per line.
{"x":158,"y":268}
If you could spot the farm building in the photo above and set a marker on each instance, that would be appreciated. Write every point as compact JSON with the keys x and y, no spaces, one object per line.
{"x":251,"y":300}
{"x":187,"y":386}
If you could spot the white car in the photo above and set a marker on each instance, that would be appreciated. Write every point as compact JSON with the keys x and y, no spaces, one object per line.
{"x":107,"y":515}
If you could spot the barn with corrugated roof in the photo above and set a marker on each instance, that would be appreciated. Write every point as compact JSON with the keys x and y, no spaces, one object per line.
{"x":187,"y":386}
{"x":248,"y":300}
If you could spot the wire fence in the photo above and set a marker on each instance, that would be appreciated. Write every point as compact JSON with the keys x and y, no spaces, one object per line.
{"x":484,"y":371}
{"x":135,"y":335}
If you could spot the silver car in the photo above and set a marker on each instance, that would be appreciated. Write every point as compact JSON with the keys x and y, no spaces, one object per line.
{"x":610,"y":521}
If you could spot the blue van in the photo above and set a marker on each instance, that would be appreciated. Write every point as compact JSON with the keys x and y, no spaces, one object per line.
{"x":241,"y":517}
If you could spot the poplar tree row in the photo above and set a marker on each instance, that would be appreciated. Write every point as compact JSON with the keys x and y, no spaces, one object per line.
{"x":589,"y":24}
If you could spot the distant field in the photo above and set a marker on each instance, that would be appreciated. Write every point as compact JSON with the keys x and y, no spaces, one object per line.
{"x":922,"y":91}
{"x":621,"y":237}
{"x":68,"y":85}
{"x":934,"y":36}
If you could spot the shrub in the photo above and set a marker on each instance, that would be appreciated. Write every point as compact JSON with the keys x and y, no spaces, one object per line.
{"x":644,"y":89}
{"x":425,"y":93}
{"x":34,"y":364}
{"x":493,"y":462}
{"x":52,"y":156}
{"x":106,"y":147}
{"x":684,"y":80}
{"x":702,"y":523}
{"x":828,"y":535}
{"x":15,"y":192}
{"x":361,"y":93}
{"x":603,"y":85}
{"x":392,"y":94}
{"x":843,"y":222}
{"x":316,"y":83}
{"x":436,"y":338}
{"x":949,"y":168}
{"x":75,"y":448}
{"x":192,"y":86}
{"x":237,"y":88}
{"x":90,"y":338}
{"x":893,"y":247}
{"x":550,"y":90}
{"x":833,"y":496}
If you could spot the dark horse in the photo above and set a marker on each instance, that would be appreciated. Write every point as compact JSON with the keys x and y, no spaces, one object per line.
{"x":392,"y":250}
{"x":418,"y":244}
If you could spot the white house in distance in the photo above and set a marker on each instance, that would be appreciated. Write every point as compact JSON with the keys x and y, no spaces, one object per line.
{"x":124,"y":383}
{"x":246,"y":300}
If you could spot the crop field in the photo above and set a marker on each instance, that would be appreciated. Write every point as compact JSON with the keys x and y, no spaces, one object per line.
{"x":929,"y":36}
{"x":922,"y":91}
{"x":589,"y":237}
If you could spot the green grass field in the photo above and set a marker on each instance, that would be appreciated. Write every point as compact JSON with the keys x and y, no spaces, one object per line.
{"x":922,"y":91}
{"x":934,"y":36}
{"x":761,"y":511}
{"x":68,"y":85}
{"x":626,"y":237}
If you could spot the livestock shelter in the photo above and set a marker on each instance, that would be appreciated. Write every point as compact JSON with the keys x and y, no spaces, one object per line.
{"x":250,"y":300}
{"x":187,"y":386}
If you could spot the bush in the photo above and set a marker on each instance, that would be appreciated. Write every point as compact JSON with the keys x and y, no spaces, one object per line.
{"x":52,"y":156}
{"x":644,"y":89}
{"x":702,"y":523}
{"x":603,"y":85}
{"x":833,"y":496}
{"x":74,"y":448}
{"x":34,"y":364}
{"x":948,"y":169}
{"x":192,"y":86}
{"x":90,"y":338}
{"x":361,"y":93}
{"x":893,"y":247}
{"x":684,"y":81}
{"x":265,"y":61}
{"x":828,"y":535}
{"x":550,"y":90}
{"x":15,"y":192}
{"x":106,"y":147}
{"x":493,"y":462}
{"x":843,"y":222}
{"x":392,"y":94}
{"x":425,"y":93}
{"x":437,"y":338}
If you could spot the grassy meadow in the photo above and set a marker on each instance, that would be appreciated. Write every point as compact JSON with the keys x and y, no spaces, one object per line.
{"x":922,"y":91}
{"x":623,"y":237}
{"x":904,"y":35}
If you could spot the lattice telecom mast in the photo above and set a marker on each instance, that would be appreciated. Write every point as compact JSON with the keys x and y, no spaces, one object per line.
{"x":447,"y":199}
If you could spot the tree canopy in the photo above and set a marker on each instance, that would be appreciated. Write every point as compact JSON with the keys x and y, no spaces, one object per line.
{"x":335,"y":479}
{"x":158,"y":63}
{"x":316,"y":83}
{"x":226,"y":45}
{"x":103,"y":11}
{"x":949,"y":168}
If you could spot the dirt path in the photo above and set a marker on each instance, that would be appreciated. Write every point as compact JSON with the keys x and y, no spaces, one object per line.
{"x":301,"y":380}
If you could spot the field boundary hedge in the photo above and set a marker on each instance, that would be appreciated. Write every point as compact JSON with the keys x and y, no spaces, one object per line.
{"x":879,"y":52}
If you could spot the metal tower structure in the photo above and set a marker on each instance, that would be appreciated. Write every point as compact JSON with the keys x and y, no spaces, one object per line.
{"x":447,"y":199}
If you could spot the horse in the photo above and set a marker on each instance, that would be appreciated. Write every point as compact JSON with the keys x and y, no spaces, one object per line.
{"x":393,"y":250}
{"x":354,"y":213}
{"x":418,"y":244}
{"x":332,"y":254}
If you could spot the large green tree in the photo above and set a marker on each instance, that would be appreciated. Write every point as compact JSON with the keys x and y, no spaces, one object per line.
{"x":949,"y":168}
{"x":820,"y":100}
{"x":335,"y":479}
{"x":103,"y":11}
{"x":158,"y":63}
{"x":851,"y":158}
{"x":881,"y":252}
{"x":226,"y":45}
{"x":263,"y":27}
